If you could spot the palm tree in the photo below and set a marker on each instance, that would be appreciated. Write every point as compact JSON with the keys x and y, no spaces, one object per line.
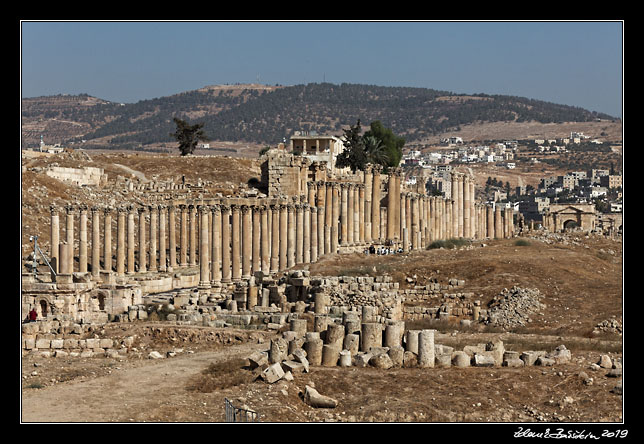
{"x":376,"y":151}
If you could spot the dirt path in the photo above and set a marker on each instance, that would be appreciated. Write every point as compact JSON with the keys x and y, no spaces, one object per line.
{"x":132,"y":389}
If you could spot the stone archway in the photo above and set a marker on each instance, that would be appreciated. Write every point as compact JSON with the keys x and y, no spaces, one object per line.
{"x":570,"y":225}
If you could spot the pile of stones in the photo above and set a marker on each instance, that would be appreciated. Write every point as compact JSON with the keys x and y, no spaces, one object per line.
{"x":612,"y":325}
{"x":512,"y":307}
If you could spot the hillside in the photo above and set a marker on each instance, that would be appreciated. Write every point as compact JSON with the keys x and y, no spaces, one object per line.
{"x":264,"y":115}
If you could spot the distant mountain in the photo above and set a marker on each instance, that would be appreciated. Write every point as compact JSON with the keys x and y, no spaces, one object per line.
{"x":267,"y":114}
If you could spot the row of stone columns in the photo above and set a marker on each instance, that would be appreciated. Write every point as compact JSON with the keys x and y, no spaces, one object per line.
{"x":236,"y":238}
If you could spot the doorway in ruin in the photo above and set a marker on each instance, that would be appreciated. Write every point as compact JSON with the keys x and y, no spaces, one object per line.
{"x":570,"y":225}
{"x":101,"y":301}
{"x":43,"y":308}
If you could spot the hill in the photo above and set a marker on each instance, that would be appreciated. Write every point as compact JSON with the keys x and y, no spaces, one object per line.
{"x":265,"y":115}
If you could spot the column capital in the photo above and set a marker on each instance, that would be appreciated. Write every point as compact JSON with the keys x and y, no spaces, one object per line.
{"x":245,"y":209}
{"x":122,"y":209}
{"x":313,"y":209}
{"x":262,"y":209}
{"x":275,"y":206}
{"x":53,"y":209}
{"x":203,"y":208}
{"x":235,"y":208}
{"x":290,"y":207}
{"x":224,"y":207}
{"x":215,"y":207}
{"x":95,"y":209}
{"x":69,"y":208}
{"x":82,"y":208}
{"x":142,"y":210}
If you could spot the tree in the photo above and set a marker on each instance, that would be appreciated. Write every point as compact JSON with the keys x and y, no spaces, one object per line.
{"x":188,"y":135}
{"x":393,"y":144}
{"x":354,"y":155}
{"x":376,"y":151}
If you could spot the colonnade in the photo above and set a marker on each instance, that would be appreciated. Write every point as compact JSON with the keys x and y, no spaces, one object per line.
{"x":230,"y":239}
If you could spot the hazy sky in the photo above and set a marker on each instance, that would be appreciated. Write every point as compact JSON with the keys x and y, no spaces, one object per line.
{"x":571,"y":63}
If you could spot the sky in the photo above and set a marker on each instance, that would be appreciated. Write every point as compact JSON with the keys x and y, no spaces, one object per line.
{"x":577,"y":63}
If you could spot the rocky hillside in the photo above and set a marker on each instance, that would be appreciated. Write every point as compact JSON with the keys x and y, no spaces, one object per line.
{"x":260,"y":114}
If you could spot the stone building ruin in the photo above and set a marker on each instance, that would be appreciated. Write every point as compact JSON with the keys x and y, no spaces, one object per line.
{"x":106,"y":259}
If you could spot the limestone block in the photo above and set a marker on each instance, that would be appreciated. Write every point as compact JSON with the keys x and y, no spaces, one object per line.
{"x":43,"y":343}
{"x":330,"y":355}
{"x":345,"y":358}
{"x":105,"y":343}
{"x":411,"y":341}
{"x":313,"y":398}
{"x":483,"y":360}
{"x":543,"y":361}
{"x":444,"y":360}
{"x":57,"y":343}
{"x":382,"y":361}
{"x":28,"y":343}
{"x":292,"y":366}
{"x":460,"y":359}
{"x":313,"y":349}
{"x":396,"y":354}
{"x":362,"y":359}
{"x":258,"y":359}
{"x":273,"y":373}
{"x":410,"y":359}
{"x":352,"y":343}
{"x":561,"y":355}
{"x":604,"y":361}
{"x":278,"y":350}
{"x":426,"y":352}
{"x":155,"y":355}
{"x":530,"y":357}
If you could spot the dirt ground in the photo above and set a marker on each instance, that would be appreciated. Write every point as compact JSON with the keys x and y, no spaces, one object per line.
{"x":580,"y":278}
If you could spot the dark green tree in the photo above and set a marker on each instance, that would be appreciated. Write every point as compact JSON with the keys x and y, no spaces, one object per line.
{"x":188,"y":135}
{"x":354,"y":155}
{"x":393,"y":144}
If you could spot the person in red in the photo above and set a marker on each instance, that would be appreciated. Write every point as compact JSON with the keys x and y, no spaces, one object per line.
{"x":33,"y":315}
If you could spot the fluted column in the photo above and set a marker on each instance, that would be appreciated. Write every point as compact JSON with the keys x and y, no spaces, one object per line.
{"x":314,"y":243}
{"x":54,"y":248}
{"x":275,"y":238}
{"x":344,"y":189}
{"x":335,"y":216}
{"x":142,"y":262}
{"x":299,"y":233}
{"x":183,"y":236}
{"x":247,"y":239}
{"x":291,"y":236}
{"x":82,"y":240}
{"x":466,"y":207}
{"x":96,"y":243}
{"x":375,"y":204}
{"x":265,"y":246}
{"x":256,"y":260}
{"x":367,"y":194}
{"x":69,"y":233}
{"x":163,"y":258}
{"x":350,"y":213}
{"x":226,"y":249}
{"x":215,"y":256}
{"x":235,"y":238}
{"x":283,"y":237}
{"x":120,"y":241}
{"x":172,"y":238}
{"x":204,"y":248}
{"x":306,"y":243}
{"x":154,"y":234}
{"x":391,"y":206}
{"x":130,"y":240}
{"x":193,"y":235}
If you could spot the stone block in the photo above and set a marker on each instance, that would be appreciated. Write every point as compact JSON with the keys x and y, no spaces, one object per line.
{"x":530,"y":357}
{"x":105,"y":343}
{"x":461,"y":359}
{"x":57,"y":343}
{"x":362,"y":359}
{"x":381,"y":361}
{"x":43,"y":343}
{"x":483,"y":360}
{"x":273,"y":373}
{"x":258,"y":359}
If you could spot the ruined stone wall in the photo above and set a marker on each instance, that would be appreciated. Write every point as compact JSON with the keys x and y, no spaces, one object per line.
{"x":79,"y":176}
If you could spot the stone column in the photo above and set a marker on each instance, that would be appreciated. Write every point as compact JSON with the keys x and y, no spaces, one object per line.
{"x":69,"y":233}
{"x":306,"y":244}
{"x":142,"y":264}
{"x":391,"y":207}
{"x":350,"y":214}
{"x":256,"y":261}
{"x":265,"y":259}
{"x":63,"y":254}
{"x":162,"y":238}
{"x":275,"y":238}
{"x":367,"y":193}
{"x":204,"y":248}
{"x":490,"y":222}
{"x":335,"y":216}
{"x":313,"y":214}
{"x":130,"y":240}
{"x":120,"y":241}
{"x":357,"y":202}
{"x":299,"y":233}
{"x":154,"y":233}
{"x":370,"y":336}
{"x":225,"y":244}
{"x":193,"y":235}
{"x":498,"y":223}
{"x":426,"y":353}
{"x":467,"y":211}
{"x":215,"y":274}
{"x":453,"y":229}
{"x":172,"y":238}
{"x":343,"y":214}
{"x":183,"y":236}
{"x":291,"y":236}
{"x":247,"y":239}
{"x":82,"y":240}
{"x":414,"y":223}
{"x":283,"y":237}
{"x":460,"y":205}
{"x":473,"y":219}
{"x":96,"y":244}
{"x":375,"y":204}
{"x":321,"y":251}
{"x":235,"y":238}
{"x":107,"y":239}
{"x":54,"y":238}
{"x":328,"y":216}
